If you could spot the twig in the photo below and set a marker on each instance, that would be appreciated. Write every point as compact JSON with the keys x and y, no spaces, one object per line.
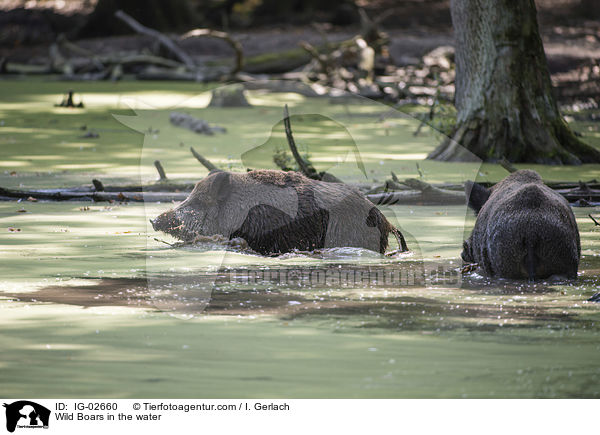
{"x":164,"y":40}
{"x":468,"y":268}
{"x":206,"y":163}
{"x":302,"y":164}
{"x":161,"y":170}
{"x":172,"y":245}
{"x":237,"y":47}
{"x":595,"y":221}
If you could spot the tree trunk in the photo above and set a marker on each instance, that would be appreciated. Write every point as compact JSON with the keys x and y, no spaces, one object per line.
{"x":503,"y":90}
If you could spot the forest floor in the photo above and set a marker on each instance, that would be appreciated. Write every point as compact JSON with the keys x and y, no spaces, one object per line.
{"x":573,"y":52}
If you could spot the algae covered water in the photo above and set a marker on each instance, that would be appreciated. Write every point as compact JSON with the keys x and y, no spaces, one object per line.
{"x":89,"y":306}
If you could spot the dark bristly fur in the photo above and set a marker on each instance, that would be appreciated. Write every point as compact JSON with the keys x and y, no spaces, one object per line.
{"x":523,"y":230}
{"x":277,"y":212}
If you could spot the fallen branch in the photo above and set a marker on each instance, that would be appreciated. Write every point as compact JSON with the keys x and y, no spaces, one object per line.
{"x":414,"y":197}
{"x":72,"y":195}
{"x":22,"y":68}
{"x":237,"y":47}
{"x":152,"y":72}
{"x":164,"y":40}
{"x":138,"y":59}
{"x":63,"y":42}
{"x":595,"y":221}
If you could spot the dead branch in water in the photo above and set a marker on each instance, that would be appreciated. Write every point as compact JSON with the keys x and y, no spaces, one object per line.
{"x":205,"y":162}
{"x":98,"y":185}
{"x":161,"y":170}
{"x":433,"y":196}
{"x":306,"y":168}
{"x":75,"y":195}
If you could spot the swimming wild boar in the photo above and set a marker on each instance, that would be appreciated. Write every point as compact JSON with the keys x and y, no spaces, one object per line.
{"x":277,"y":212}
{"x":523,"y":230}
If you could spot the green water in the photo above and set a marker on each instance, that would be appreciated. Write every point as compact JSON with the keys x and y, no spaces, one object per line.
{"x":87,"y":308}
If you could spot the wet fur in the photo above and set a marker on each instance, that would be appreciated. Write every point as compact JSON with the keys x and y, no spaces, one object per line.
{"x":524,"y":230}
{"x":277,"y":212}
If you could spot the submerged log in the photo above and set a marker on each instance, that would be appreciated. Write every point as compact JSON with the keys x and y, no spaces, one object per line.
{"x":412,"y":192}
{"x":196,"y":125}
{"x":72,"y":195}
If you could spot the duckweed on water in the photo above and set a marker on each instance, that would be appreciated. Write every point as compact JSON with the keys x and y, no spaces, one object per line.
{"x":91,"y":305}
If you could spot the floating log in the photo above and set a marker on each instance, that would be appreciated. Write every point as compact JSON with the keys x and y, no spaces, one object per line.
{"x":414,"y":192}
{"x":72,"y":195}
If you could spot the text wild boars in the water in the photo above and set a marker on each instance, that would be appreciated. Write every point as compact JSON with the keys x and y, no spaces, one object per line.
{"x":523,"y":230}
{"x":277,"y":212}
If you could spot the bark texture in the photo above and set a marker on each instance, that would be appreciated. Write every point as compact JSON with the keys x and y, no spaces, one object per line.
{"x":503,"y":90}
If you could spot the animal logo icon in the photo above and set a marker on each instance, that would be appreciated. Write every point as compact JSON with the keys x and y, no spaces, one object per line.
{"x":26,"y":414}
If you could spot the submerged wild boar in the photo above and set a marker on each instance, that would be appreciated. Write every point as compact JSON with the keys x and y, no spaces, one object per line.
{"x":277,"y":212}
{"x":523,"y":230}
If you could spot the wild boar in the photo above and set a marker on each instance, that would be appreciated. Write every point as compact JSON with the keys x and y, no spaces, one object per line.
{"x":523,"y":229}
{"x":277,"y":212}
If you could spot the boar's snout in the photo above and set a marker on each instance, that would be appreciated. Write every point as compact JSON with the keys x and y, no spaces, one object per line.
{"x":166,"y":222}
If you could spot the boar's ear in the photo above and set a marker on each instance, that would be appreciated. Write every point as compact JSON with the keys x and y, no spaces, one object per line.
{"x":221,"y":186}
{"x":477,"y":195}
